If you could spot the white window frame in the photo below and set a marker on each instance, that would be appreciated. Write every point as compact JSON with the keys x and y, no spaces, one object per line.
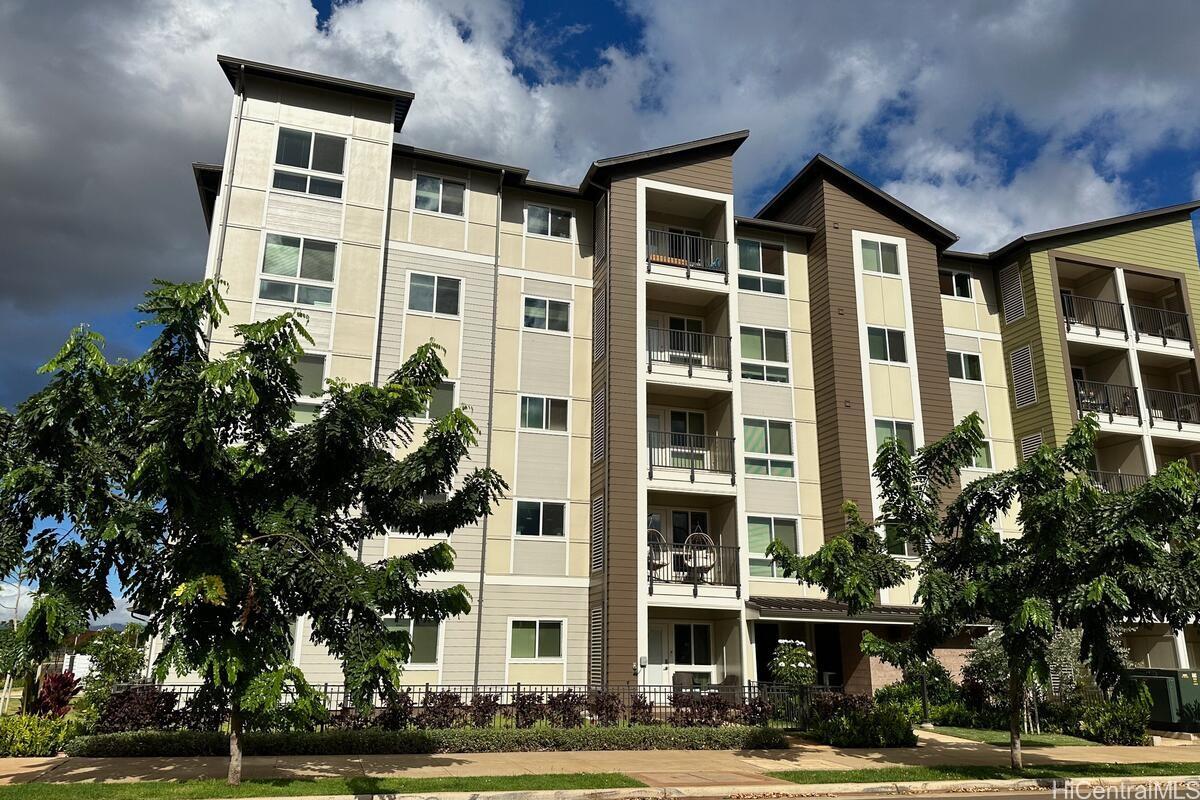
{"x":572,"y":237}
{"x":538,"y":659}
{"x":316,"y":400}
{"x":437,"y":277}
{"x":787,"y":362}
{"x":987,"y":443}
{"x":309,"y":172}
{"x":545,"y":398}
{"x":955,"y":272}
{"x":441,"y":192}
{"x":776,"y":574}
{"x":679,"y":666}
{"x":769,"y":456}
{"x":910,"y":423}
{"x":297,"y":281}
{"x":876,"y":239}
{"x":888,"y":343}
{"x":962,"y":359}
{"x":453,"y":401}
{"x":541,"y":535}
{"x":760,"y":274}
{"x":906,"y":555}
{"x":548,"y":300}
{"x":437,"y":651}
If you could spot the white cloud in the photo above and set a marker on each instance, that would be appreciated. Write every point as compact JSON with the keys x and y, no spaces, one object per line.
{"x":14,"y":599}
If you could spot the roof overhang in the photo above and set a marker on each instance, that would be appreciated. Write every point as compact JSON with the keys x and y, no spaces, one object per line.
{"x":773,"y":226}
{"x":236,"y":68}
{"x":725,"y":144}
{"x":805,"y":609}
{"x":208,"y":184}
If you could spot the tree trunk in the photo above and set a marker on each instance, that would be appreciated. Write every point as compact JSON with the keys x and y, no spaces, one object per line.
{"x":924,"y":697}
{"x":1016,"y":692}
{"x":235,"y":747}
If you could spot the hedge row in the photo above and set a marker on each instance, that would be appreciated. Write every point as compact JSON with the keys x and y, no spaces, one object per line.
{"x":450,"y":740}
{"x":27,"y":735}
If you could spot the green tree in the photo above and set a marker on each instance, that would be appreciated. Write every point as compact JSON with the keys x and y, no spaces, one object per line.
{"x":183,"y":472}
{"x":117,"y":656}
{"x":1086,"y":560}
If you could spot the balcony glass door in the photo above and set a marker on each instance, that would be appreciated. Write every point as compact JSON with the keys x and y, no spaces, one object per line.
{"x":686,"y":345}
{"x":687,"y":439}
{"x":685,"y":523}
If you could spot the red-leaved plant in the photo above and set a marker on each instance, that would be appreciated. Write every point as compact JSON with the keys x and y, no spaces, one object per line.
{"x":55,"y":693}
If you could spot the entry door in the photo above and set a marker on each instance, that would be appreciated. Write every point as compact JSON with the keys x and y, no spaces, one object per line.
{"x":686,"y":346}
{"x":656,"y":662}
{"x":687,"y":439}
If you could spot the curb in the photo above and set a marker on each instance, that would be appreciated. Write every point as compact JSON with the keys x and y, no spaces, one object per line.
{"x":783,"y":789}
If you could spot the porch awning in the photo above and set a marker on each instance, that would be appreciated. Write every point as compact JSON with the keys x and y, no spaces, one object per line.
{"x":816,"y":610}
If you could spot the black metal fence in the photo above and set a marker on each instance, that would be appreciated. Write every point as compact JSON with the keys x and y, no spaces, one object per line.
{"x":1116,"y":482}
{"x":688,"y":349}
{"x":1159,"y":323}
{"x":1172,"y":407}
{"x":693,"y":452}
{"x":1107,"y":399}
{"x":686,"y":250}
{"x":524,"y":705}
{"x":1091,"y":312}
{"x":693,"y":565}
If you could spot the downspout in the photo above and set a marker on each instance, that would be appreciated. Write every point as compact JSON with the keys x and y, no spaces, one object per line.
{"x":491,"y":417}
{"x":227,"y":180}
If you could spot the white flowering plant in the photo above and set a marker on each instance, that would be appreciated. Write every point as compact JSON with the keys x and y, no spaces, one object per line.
{"x":793,"y":663}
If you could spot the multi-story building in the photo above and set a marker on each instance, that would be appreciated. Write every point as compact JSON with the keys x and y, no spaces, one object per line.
{"x":667,"y":386}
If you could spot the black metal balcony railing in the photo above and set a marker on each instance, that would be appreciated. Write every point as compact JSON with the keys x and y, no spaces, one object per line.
{"x":1176,"y":407}
{"x":686,"y":348}
{"x":690,"y":451}
{"x":688,"y":251}
{"x":1159,"y":323}
{"x":693,"y":565}
{"x":1090,"y":312}
{"x":1107,"y":400}
{"x":1114,"y":482}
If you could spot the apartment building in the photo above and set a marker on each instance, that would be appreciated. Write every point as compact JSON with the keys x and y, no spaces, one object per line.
{"x":668,"y":386}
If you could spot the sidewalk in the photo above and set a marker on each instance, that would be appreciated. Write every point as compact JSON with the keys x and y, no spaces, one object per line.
{"x":682,"y":769}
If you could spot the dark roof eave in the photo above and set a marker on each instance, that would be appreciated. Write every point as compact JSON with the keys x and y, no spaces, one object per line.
{"x":732,"y":140}
{"x":401,"y":100}
{"x":772,"y":225}
{"x":208,"y":185}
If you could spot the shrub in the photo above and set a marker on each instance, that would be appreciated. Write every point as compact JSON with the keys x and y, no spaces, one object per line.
{"x":857,"y":721}
{"x":641,"y":710}
{"x":1122,"y":720}
{"x":606,"y":708}
{"x":54,"y":694}
{"x":398,"y":713}
{"x":351,"y":719}
{"x":27,"y":736}
{"x":139,"y":708}
{"x":955,"y":715}
{"x":441,"y":710}
{"x":373,"y":741}
{"x":116,"y":657}
{"x":527,"y":709}
{"x":759,"y":711}
{"x":565,"y":709}
{"x":793,"y":663}
{"x":939,"y":686}
{"x":206,"y":710}
{"x":484,"y":708}
{"x":696,"y":709}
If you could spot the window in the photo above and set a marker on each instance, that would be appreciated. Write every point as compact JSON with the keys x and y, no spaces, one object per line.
{"x":547,"y":221}
{"x":893,"y":429}
{"x":693,"y":645}
{"x":757,"y":261}
{"x":886,"y":344}
{"x":440,"y":195}
{"x":771,"y":442}
{"x":880,"y":257}
{"x":536,"y":518}
{"x":311,"y":152}
{"x":544,"y":413}
{"x":311,"y":369}
{"x":441,"y":402}
{"x":547,"y":315}
{"x":954,"y":283}
{"x":964,"y":366}
{"x":422,"y":637}
{"x":895,"y":545}
{"x":435,"y":294}
{"x":763,"y":531}
{"x":298,"y":270}
{"x":763,"y":351}
{"x":983,"y":457}
{"x":538,"y":638}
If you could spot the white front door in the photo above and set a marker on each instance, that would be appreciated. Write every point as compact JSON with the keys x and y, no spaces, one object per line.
{"x":656,"y":666}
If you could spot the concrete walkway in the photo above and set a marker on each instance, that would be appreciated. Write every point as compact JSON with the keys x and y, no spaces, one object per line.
{"x":656,"y":768}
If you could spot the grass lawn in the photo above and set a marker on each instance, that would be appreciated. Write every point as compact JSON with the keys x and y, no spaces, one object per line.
{"x":295,"y":787}
{"x":964,"y":773}
{"x":1000,"y":738}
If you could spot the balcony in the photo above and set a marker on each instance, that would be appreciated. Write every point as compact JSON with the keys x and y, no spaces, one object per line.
{"x":675,"y":352}
{"x":690,"y":456}
{"x":1152,"y":324}
{"x":1087,"y":314}
{"x":1172,"y":409}
{"x":687,"y":255}
{"x":1108,"y":401}
{"x":1115,"y":482}
{"x":696,"y":565}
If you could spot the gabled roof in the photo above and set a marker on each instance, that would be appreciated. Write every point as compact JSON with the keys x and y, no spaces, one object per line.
{"x":727,"y":143}
{"x":823,"y":166}
{"x":400,"y":99}
{"x":1049,"y":237}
